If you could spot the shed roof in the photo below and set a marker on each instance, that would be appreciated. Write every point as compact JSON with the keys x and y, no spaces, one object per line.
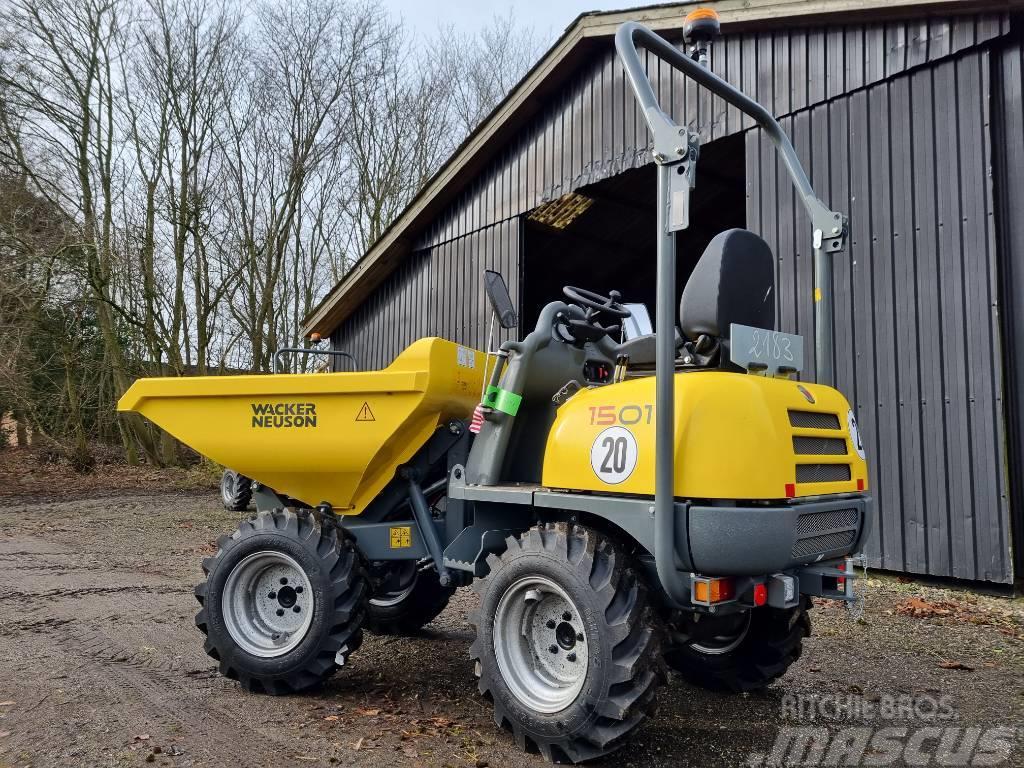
{"x":587,"y":31}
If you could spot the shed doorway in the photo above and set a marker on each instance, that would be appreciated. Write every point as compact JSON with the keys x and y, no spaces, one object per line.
{"x":602,"y":237}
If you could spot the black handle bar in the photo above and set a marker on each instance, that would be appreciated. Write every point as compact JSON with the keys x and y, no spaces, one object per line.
{"x":304,"y":350}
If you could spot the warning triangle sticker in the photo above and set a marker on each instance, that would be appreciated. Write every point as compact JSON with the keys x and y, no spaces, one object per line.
{"x":365,"y":414}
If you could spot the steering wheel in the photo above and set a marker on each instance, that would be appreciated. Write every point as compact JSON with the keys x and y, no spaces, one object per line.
{"x":580,"y":331}
{"x":603,"y":304}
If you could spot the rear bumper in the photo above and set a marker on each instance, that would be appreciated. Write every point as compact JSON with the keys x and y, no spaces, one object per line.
{"x":749,"y":541}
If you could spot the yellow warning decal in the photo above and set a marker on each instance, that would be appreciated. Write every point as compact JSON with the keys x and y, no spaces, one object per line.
{"x":817,"y":294}
{"x":401,"y":537}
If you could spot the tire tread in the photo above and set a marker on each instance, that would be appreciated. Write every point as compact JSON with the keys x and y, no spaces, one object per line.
{"x":349,"y":579}
{"x":630,"y":621}
{"x":773,"y":645}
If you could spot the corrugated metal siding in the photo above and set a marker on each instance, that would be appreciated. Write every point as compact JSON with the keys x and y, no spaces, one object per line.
{"x":1009,"y":175}
{"x":916,"y":316}
{"x":593,"y":130}
{"x":438,"y":291}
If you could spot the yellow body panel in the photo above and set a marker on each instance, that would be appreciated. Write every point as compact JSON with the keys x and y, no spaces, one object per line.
{"x":334,"y":437}
{"x":733,"y":436}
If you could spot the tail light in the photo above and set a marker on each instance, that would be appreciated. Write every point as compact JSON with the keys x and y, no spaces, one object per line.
{"x":709,"y":591}
{"x":760,"y":595}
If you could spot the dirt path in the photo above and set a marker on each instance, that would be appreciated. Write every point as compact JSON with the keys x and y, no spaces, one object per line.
{"x":100,"y":664}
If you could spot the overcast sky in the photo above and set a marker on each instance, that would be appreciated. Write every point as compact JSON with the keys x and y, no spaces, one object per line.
{"x":548,"y":17}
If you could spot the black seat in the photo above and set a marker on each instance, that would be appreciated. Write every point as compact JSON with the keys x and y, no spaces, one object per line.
{"x":733,"y":282}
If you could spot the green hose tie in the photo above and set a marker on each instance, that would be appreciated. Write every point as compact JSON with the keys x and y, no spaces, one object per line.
{"x":502,"y":400}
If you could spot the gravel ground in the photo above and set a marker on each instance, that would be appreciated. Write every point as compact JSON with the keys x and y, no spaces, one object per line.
{"x":100,"y":664}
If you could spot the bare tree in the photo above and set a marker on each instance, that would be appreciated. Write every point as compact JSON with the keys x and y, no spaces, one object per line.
{"x":63,"y":82}
{"x":398,"y":138}
{"x":172,"y":99}
{"x":481,"y":70}
{"x":286,"y":123}
{"x":43,"y":364}
{"x":181,"y":181}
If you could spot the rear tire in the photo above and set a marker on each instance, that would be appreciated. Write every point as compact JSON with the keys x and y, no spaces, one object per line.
{"x":412,"y":604}
{"x":748,"y":656}
{"x":283,"y":603}
{"x":235,"y":491}
{"x":568,"y":588}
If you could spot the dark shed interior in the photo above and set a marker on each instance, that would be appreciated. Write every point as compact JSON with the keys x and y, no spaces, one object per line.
{"x":611,"y":245}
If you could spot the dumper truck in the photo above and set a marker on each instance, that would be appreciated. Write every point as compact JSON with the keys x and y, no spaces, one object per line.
{"x":621,"y":506}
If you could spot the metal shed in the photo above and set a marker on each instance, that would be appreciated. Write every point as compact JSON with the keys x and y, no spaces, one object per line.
{"x":908,"y":115}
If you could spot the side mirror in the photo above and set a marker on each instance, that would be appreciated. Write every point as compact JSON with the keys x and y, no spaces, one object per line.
{"x":501,"y":302}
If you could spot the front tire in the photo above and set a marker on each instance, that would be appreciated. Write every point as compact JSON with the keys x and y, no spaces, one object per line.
{"x":567,"y":646}
{"x":745,"y":653}
{"x":283,"y":603}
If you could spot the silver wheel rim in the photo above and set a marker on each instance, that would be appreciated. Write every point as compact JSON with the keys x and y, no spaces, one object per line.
{"x":267,"y":604}
{"x":540,"y":644}
{"x":227,"y":488}
{"x":724,"y":642}
{"x":395,"y":596}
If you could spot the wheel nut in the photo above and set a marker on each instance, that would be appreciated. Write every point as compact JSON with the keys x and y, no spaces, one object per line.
{"x":284,"y":580}
{"x":272,"y":595}
{"x":550,"y":624}
{"x":566,"y":616}
{"x":553,"y":648}
{"x":571,"y":657}
{"x":280,"y":611}
{"x":579,"y":636}
{"x":296,"y":609}
{"x":298,"y":590}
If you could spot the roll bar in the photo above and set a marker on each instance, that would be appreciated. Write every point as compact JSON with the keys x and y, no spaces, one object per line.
{"x":676,"y":150}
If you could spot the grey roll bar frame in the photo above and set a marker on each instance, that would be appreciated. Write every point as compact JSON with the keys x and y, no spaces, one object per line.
{"x":675,"y":153}
{"x":309,"y":351}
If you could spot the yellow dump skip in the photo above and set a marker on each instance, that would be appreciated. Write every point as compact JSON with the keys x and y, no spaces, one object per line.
{"x":334,"y":437}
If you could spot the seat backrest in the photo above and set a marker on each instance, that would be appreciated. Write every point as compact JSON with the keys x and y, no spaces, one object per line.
{"x":734,"y":282}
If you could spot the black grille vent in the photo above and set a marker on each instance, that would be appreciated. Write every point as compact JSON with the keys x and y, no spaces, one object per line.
{"x":813,"y":420}
{"x":828,"y":542}
{"x":820,"y":522}
{"x":819,"y":446}
{"x":822,"y":473}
